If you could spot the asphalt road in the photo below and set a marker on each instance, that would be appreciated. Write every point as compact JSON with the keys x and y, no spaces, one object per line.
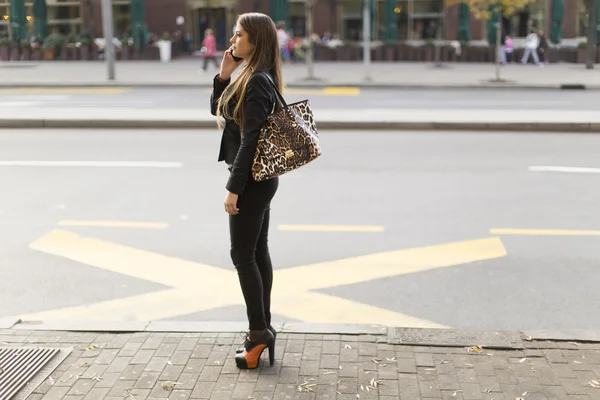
{"x":352,"y":98}
{"x":399,"y":190}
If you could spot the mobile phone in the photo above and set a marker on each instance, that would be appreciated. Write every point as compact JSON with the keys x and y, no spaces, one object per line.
{"x":236,"y":59}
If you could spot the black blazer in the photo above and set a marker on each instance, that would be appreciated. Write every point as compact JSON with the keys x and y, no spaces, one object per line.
{"x":239,"y":149}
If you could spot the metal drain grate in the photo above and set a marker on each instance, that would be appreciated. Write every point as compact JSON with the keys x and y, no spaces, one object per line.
{"x":19,"y":365}
{"x":454,"y":338}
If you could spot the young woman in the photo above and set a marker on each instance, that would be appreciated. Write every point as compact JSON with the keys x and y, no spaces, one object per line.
{"x":245,"y":104}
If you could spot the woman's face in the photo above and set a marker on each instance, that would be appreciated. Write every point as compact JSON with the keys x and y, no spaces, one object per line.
{"x":241,"y":44}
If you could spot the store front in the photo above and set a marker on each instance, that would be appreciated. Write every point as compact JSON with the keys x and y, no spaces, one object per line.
{"x":219,"y":16}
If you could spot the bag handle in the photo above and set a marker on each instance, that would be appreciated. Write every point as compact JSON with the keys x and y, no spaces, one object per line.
{"x":279,"y":96}
{"x":282,"y":103}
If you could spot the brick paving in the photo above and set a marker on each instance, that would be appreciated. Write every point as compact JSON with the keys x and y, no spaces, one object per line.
{"x":145,"y":365}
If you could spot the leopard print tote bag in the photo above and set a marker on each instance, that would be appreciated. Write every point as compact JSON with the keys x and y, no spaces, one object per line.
{"x":287,"y":140}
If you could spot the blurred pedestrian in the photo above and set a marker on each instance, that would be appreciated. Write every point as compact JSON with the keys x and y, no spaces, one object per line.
{"x":283,"y":37}
{"x":209,"y":49}
{"x":531,"y":48}
{"x":509,"y":48}
{"x":245,"y":105}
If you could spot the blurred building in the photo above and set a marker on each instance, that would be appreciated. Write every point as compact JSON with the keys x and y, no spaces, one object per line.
{"x":412,"y":19}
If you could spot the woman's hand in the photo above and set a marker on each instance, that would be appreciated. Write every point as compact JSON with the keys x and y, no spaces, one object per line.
{"x":231,"y":204}
{"x":228,"y":65}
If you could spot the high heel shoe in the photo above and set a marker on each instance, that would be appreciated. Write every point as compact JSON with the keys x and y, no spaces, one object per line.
{"x":249,"y":358}
{"x":246,"y":340}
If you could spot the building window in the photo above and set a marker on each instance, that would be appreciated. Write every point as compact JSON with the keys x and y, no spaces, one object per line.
{"x":426,"y":18}
{"x":63,"y":16}
{"x":4,"y":18}
{"x":532,"y":17}
{"x":352,"y":21}
{"x":297,"y":20}
{"x":582,"y":19}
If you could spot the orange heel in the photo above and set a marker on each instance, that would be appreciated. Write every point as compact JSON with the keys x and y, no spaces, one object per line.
{"x":245,"y":335}
{"x":249,"y":358}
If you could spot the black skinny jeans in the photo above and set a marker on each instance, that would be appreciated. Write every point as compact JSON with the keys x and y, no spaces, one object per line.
{"x":249,"y":232}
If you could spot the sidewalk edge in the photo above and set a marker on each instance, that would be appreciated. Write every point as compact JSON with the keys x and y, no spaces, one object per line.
{"x":433,"y":337}
{"x":564,"y":127}
{"x":309,"y":85}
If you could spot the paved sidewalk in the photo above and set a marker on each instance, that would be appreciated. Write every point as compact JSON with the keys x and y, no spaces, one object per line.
{"x":185,"y":72}
{"x":199,"y":365}
{"x":327,"y":119}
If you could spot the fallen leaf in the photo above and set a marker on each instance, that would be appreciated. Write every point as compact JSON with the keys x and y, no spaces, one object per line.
{"x":469,"y":365}
{"x":328,"y":372}
{"x":594,"y":384}
{"x":91,"y":347}
{"x":377,"y":360}
{"x":169,"y":362}
{"x":529,"y":338}
{"x":444,"y":362}
{"x":391,"y":359}
{"x":476,"y":349}
{"x":522,"y":360}
{"x":577,"y":362}
{"x":347,"y":346}
{"x":525,"y":394}
{"x":575,"y":343}
{"x":362,"y":387}
{"x":358,"y":396}
{"x":169,"y":385}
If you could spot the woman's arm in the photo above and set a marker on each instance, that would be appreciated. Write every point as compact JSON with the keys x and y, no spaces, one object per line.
{"x":258,"y":105}
{"x":218,"y":88}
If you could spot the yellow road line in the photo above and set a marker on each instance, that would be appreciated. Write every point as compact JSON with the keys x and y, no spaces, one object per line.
{"x":42,"y":90}
{"x":116,"y":224}
{"x":341,"y":91}
{"x":332,"y":228}
{"x":544,"y":232}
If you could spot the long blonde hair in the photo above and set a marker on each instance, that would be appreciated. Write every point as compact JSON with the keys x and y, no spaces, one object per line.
{"x":262,"y":34}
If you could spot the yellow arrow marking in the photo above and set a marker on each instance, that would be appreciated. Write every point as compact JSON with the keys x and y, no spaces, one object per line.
{"x":544,"y":232}
{"x":332,"y":228}
{"x":116,"y":224}
{"x":195,"y":287}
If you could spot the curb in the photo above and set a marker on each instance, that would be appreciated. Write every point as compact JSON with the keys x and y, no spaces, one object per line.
{"x":32,"y":123}
{"x":393,"y":335}
{"x":312,"y":85}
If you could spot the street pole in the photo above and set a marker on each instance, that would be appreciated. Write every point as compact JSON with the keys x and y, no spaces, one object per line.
{"x":367,"y":38}
{"x":109,"y":46}
{"x":498,"y":46}
{"x":309,"y":33}
{"x":591,"y":34}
